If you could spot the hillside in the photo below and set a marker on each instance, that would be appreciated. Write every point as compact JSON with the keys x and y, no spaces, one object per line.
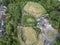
{"x":21,"y":21}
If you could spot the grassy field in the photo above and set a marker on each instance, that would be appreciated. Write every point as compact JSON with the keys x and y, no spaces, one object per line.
{"x":34,"y":9}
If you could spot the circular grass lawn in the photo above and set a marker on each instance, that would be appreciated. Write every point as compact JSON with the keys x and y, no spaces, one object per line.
{"x":50,"y":34}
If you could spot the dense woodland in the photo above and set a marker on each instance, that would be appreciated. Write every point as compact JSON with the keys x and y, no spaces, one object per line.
{"x":14,"y":13}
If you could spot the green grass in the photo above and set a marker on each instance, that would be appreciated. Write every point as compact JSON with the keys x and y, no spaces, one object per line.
{"x":50,"y":34}
{"x":34,"y":9}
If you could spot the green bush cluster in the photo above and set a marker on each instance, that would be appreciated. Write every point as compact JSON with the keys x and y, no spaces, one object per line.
{"x":28,"y":20}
